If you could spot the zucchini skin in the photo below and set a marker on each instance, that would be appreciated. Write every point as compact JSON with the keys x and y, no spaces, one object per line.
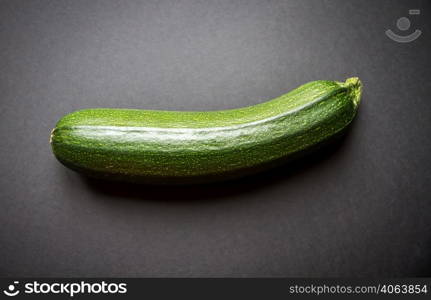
{"x":152,"y":146}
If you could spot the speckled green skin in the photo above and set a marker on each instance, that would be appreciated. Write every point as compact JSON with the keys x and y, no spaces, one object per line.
{"x":186,"y":147}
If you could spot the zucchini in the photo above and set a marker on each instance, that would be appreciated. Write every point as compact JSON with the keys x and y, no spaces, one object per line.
{"x":154,"y":146}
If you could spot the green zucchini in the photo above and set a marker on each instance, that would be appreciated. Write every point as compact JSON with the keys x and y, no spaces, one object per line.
{"x":153,"y":146}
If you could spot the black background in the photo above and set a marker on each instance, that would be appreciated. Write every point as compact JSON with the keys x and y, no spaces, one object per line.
{"x":359,"y":208}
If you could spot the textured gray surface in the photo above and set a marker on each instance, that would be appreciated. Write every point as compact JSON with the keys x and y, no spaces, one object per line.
{"x":361,"y":208}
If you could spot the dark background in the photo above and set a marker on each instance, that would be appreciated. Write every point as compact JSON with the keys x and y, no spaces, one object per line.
{"x":359,"y":208}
